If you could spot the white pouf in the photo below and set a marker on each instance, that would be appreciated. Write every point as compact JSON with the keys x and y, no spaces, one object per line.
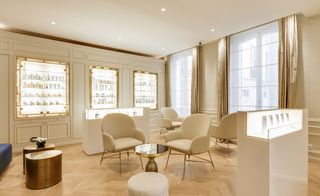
{"x":148,"y":183}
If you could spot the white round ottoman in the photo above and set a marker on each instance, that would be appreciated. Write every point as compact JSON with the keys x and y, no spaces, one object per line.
{"x":148,"y":183}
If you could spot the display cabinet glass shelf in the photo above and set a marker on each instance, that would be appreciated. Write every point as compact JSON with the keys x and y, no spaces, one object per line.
{"x":145,"y":89}
{"x":42,"y":88}
{"x":103,"y":87}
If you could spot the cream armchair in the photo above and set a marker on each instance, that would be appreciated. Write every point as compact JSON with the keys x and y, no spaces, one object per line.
{"x":192,"y":139}
{"x":170,"y":119}
{"x":226,"y":130}
{"x":119,"y":134}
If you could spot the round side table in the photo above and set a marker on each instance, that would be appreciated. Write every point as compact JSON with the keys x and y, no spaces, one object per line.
{"x":43,"y":169}
{"x":34,"y":148}
{"x":151,"y":151}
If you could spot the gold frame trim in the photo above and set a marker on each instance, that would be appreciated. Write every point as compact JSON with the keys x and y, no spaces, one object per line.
{"x":134,"y":97}
{"x":90,"y":85}
{"x":18,"y":80}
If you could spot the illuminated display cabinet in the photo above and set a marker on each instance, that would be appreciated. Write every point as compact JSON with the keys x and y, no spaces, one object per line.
{"x":103,"y":88}
{"x":42,"y":88}
{"x":272,"y":156}
{"x":145,"y":89}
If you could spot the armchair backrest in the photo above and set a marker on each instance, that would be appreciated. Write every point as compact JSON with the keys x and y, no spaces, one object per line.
{"x":195,"y":125}
{"x":169,"y":113}
{"x":227,"y":128}
{"x":118,"y":125}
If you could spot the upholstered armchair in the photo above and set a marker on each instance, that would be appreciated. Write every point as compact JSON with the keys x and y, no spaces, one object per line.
{"x":192,"y":139}
{"x":119,"y":134}
{"x":170,"y":119}
{"x":226,"y":130}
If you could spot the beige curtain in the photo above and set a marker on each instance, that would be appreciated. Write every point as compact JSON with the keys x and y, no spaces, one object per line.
{"x":167,"y":82}
{"x":288,"y":61}
{"x":222,"y":78}
{"x":195,"y":81}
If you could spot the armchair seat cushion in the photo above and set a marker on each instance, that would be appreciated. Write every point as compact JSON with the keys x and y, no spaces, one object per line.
{"x":176,"y":124}
{"x":182,"y":145}
{"x":126,"y":143}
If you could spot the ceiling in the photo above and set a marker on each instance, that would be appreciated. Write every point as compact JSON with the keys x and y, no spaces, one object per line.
{"x":140,"y":25}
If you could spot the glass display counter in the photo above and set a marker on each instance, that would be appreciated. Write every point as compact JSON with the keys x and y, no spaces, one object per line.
{"x":92,"y":140}
{"x":273,"y":123}
{"x":99,"y":114}
{"x":272,"y":156}
{"x":42,"y":88}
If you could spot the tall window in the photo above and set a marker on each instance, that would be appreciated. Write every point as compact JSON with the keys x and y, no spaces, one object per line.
{"x":180,"y":82}
{"x":253,"y":71}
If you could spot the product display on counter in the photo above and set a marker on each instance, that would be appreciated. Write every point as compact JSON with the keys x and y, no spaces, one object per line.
{"x":272,"y":153}
{"x":42,"y":88}
{"x":145,"y":89}
{"x":103,"y":88}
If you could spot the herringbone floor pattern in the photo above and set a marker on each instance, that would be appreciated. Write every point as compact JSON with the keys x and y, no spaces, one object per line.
{"x":82,"y":175}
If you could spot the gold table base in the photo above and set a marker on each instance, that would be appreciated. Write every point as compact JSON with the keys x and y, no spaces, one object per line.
{"x":151,"y":165}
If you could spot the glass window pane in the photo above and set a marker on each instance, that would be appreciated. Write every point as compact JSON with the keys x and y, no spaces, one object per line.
{"x":180,"y":81}
{"x":253,"y":74}
{"x":270,"y":54}
{"x":270,"y":75}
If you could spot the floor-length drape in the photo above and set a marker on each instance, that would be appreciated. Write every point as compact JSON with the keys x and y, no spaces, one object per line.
{"x":195,"y":81}
{"x":288,"y":61}
{"x":222,"y":78}
{"x":167,"y":82}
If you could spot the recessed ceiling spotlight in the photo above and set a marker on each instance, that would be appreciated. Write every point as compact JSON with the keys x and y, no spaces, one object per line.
{"x":163,"y":9}
{"x":119,"y":38}
{"x":163,"y":49}
{"x":212,"y":30}
{"x":53,"y":23}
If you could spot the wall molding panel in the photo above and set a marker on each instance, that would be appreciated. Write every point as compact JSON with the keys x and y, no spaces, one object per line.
{"x":212,"y":114}
{"x":69,"y":129}
{"x":314,"y":138}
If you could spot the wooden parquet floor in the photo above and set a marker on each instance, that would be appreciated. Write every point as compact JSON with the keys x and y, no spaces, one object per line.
{"x":82,"y":175}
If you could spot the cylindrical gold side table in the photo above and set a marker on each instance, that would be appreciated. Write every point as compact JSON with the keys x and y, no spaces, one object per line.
{"x":34,"y":148}
{"x":43,"y":169}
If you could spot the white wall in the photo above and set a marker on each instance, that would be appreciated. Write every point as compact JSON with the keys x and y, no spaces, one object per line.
{"x":65,"y":130}
{"x":309,"y":78}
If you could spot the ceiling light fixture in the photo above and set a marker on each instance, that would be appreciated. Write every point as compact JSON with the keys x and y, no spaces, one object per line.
{"x":212,"y":30}
{"x":163,"y":49}
{"x":53,"y":23}
{"x":163,"y":9}
{"x":119,"y":38}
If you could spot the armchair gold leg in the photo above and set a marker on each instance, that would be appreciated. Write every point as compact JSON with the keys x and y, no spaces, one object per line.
{"x":184,"y":166}
{"x":211,"y":160}
{"x":168,"y":159}
{"x":102,"y":156}
{"x":120,"y":161}
{"x":141,"y":162}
